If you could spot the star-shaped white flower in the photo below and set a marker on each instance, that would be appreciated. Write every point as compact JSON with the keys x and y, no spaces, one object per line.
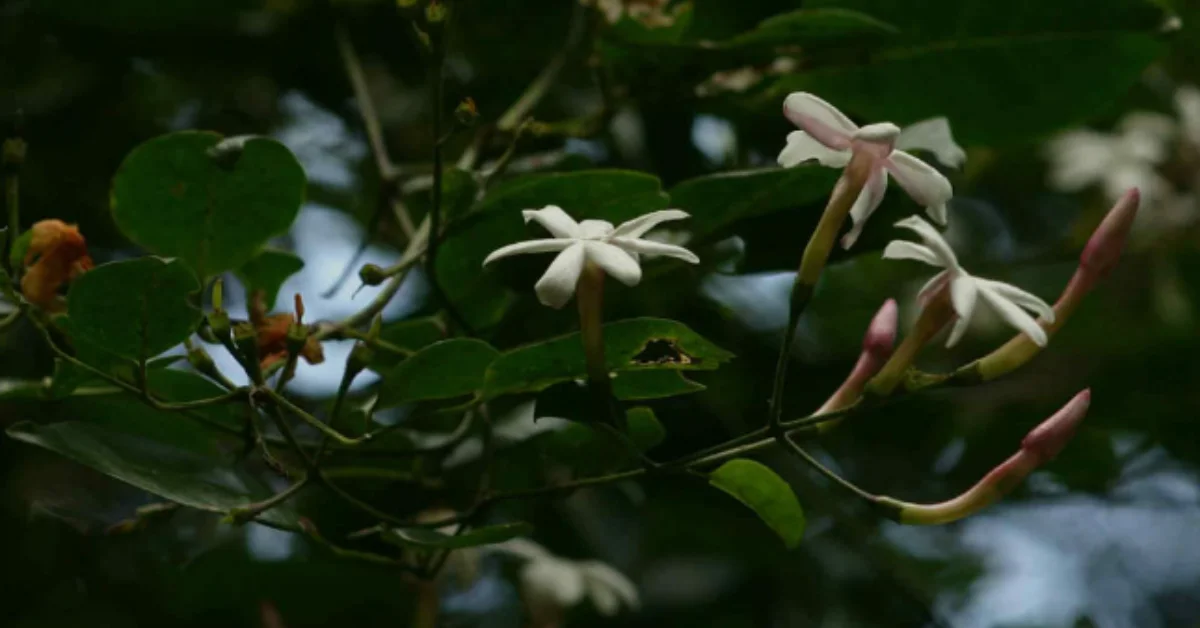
{"x":551,"y":583}
{"x":966,"y":290}
{"x":829,"y":137}
{"x":614,"y":249}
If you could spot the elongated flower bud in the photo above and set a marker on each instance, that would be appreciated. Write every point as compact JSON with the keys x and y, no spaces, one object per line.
{"x":1098,"y":259}
{"x":878,"y":344}
{"x":1041,"y":445}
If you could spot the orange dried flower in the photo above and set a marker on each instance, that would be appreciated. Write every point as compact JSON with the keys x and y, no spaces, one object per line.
{"x":57,"y":254}
{"x":273,"y":330}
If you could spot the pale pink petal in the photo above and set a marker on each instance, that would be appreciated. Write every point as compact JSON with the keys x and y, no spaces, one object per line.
{"x":819,"y":119}
{"x":801,"y":147}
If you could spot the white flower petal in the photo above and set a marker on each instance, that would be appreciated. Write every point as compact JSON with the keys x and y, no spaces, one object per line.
{"x":615,"y":261}
{"x":933,"y":285}
{"x":649,"y":247}
{"x":521,"y":548}
{"x":553,"y":580}
{"x":964,"y":294}
{"x":1079,"y":158}
{"x":638,"y":227}
{"x":595,"y":229}
{"x":529,"y":246}
{"x":865,"y":205}
{"x":603,"y":575}
{"x":1014,"y":316}
{"x":1022,"y":298}
{"x":1187,"y":103}
{"x":903,"y":249}
{"x":956,"y":332}
{"x":558,"y":283}
{"x":605,"y":599}
{"x":934,"y":136}
{"x":933,"y":240}
{"x":555,"y":220}
{"x":819,"y":119}
{"x":801,"y":147}
{"x":923,"y":183}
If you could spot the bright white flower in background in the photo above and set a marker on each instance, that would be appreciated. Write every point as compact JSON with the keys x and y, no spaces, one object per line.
{"x":551,"y":584}
{"x":829,"y":137}
{"x":614,"y":249}
{"x":1187,"y":103}
{"x":1127,"y":158}
{"x":965,"y":290}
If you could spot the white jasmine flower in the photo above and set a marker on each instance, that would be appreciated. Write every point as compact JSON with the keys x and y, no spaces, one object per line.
{"x":613,"y":249}
{"x":1118,"y":161}
{"x":551,"y":584}
{"x":966,"y":290}
{"x":829,"y":137}
{"x":1187,"y":103}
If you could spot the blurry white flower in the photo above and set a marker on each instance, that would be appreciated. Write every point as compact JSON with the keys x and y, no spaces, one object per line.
{"x":1118,"y":161}
{"x":615,"y":250}
{"x":551,"y":584}
{"x":966,"y":290}
{"x":1187,"y":103}
{"x":829,"y":137}
{"x":651,"y":13}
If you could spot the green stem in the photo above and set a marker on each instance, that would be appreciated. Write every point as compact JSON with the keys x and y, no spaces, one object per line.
{"x":348,"y":376}
{"x":249,"y":512}
{"x":816,"y":253}
{"x":12,"y":195}
{"x":279,"y":401}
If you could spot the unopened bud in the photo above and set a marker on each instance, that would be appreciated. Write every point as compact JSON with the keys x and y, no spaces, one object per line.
{"x":372,"y":275}
{"x":466,"y":112}
{"x":218,"y":292}
{"x":218,"y":322}
{"x":1108,"y":240}
{"x":1047,"y":439}
{"x":200,"y":360}
{"x":880,"y":338}
{"x":435,"y":12}
{"x":299,"y":303}
{"x":878,"y":344}
{"x":1040,"y":445}
{"x":245,"y":339}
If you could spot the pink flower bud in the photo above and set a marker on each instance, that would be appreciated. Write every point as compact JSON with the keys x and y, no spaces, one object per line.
{"x":1039,"y":446}
{"x":877,"y":347}
{"x":1049,"y":438}
{"x":1108,"y":240}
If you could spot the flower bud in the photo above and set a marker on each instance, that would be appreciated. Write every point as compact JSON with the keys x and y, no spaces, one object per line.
{"x":372,"y":275}
{"x":218,"y":322}
{"x":435,"y":12}
{"x":361,"y":357}
{"x":877,"y":347}
{"x":1042,"y":444}
{"x":466,"y":112}
{"x":245,"y":340}
{"x":1108,"y":240}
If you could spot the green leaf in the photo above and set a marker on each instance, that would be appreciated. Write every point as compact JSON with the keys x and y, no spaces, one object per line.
{"x":209,"y":201}
{"x":136,"y":308}
{"x":717,"y":201}
{"x":146,"y":16}
{"x":427,"y":539}
{"x":652,"y":384}
{"x":808,"y":26}
{"x":613,"y":195}
{"x":164,"y":453}
{"x":767,"y":494}
{"x":11,"y":389}
{"x":644,"y":429}
{"x":1000,"y":72}
{"x":630,"y":345}
{"x":459,"y":189}
{"x":267,"y":271}
{"x":407,"y":336}
{"x":443,"y":370}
